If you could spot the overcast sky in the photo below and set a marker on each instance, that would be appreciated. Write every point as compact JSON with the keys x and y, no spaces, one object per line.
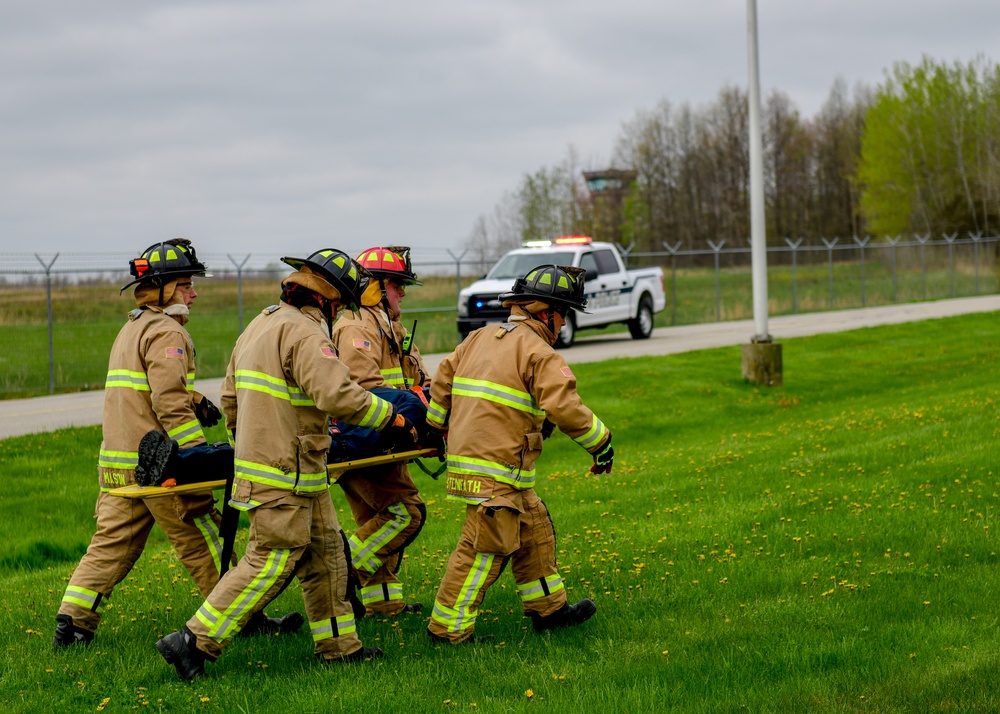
{"x":276,"y":128}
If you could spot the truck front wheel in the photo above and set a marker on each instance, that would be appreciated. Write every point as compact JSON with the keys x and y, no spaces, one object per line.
{"x":641,"y":326}
{"x":568,"y":332}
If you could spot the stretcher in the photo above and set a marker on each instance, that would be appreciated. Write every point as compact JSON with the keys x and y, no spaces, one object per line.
{"x":334,"y":469}
{"x":231,"y":516}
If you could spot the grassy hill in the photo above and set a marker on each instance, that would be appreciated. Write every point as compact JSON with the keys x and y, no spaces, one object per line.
{"x":826,"y":546}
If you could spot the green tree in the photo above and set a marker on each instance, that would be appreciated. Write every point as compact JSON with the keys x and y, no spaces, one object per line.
{"x":929,"y":160}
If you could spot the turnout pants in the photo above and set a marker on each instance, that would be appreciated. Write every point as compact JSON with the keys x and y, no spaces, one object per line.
{"x":293,"y":535}
{"x":123,"y":525}
{"x":390,"y":513}
{"x":516,"y":527}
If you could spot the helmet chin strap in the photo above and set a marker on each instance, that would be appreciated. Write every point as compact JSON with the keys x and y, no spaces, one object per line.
{"x":393,"y":346}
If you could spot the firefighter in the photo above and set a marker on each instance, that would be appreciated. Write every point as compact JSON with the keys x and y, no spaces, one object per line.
{"x":150,"y":387}
{"x":384,"y":499}
{"x":283,"y":381}
{"x":499,"y":394}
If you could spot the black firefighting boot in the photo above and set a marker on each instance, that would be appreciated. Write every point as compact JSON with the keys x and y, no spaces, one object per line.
{"x":414,"y":606}
{"x":362,"y":654}
{"x":566,"y":616}
{"x":155,"y":450}
{"x":261,"y":624}
{"x":69,"y":634}
{"x":179,"y":649}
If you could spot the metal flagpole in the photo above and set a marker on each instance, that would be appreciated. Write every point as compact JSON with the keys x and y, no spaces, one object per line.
{"x":761,"y":358}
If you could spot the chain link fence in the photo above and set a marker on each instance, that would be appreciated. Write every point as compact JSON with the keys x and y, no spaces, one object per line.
{"x":59,"y":312}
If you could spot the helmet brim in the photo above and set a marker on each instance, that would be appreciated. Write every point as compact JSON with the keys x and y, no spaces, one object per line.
{"x":166,"y":277}
{"x":551,"y":301}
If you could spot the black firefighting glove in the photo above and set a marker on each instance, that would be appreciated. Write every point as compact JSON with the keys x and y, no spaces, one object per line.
{"x":434,"y":439}
{"x":604,"y":459}
{"x":208,"y":414}
{"x":400,"y":434}
{"x":547,"y":428}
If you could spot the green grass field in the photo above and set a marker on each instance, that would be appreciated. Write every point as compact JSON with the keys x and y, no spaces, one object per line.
{"x":826,"y":546}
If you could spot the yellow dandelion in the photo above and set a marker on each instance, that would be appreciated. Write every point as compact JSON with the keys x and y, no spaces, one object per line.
{"x":528,"y":693}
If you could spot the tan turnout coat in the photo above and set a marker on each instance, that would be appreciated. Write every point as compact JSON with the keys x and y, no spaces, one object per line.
{"x":493,"y":394}
{"x":285,"y":378}
{"x":150,"y":385}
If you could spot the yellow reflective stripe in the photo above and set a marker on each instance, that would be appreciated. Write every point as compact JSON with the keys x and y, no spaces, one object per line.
{"x":463,"y":615}
{"x":383,"y":592}
{"x":321,"y":630}
{"x":208,"y":615}
{"x":363,"y":553}
{"x":271,"y":476}
{"x":190,"y":381}
{"x":127,"y":379}
{"x":345,"y":625}
{"x":309,"y":483}
{"x":376,"y":414}
{"x":210,"y":532}
{"x":540,"y":588}
{"x":492,"y":469}
{"x":497,"y":393}
{"x":393,"y":376}
{"x":436,"y":414}
{"x":595,"y":435}
{"x":334,"y":627}
{"x":186,"y":432}
{"x":223,"y":625}
{"x":118,"y":459}
{"x":273,"y":386}
{"x":80,"y":596}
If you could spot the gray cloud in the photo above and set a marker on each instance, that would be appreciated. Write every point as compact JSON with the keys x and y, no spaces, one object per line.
{"x":278,"y":127}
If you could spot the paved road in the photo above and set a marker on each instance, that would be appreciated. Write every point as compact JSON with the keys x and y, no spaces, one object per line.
{"x":28,"y":416}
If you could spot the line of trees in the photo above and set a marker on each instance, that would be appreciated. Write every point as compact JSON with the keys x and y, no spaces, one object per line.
{"x":918,"y":154}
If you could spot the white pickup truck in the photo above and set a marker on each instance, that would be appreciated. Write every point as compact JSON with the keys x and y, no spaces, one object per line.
{"x":614,"y":294}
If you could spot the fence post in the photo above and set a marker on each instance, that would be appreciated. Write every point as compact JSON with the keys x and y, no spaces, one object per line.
{"x":862,"y":244}
{"x":795,"y":273}
{"x":458,"y":272}
{"x":718,"y":296}
{"x":892,"y":242}
{"x":829,"y":261}
{"x":48,"y":297}
{"x":975,"y":242}
{"x":239,"y":284}
{"x":673,"y":279}
{"x":951,"y":261}
{"x":922,"y":240}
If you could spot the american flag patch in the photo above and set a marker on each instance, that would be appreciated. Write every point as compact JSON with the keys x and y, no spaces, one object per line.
{"x":362,"y":344}
{"x":567,"y":373}
{"x":176,"y":352}
{"x":328,"y":351}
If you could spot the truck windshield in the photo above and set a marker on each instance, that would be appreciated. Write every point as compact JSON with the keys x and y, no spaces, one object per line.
{"x":515,"y":265}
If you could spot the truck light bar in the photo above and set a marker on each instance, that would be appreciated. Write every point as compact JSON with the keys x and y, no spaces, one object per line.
{"x":536,"y":243}
{"x":573,"y":240}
